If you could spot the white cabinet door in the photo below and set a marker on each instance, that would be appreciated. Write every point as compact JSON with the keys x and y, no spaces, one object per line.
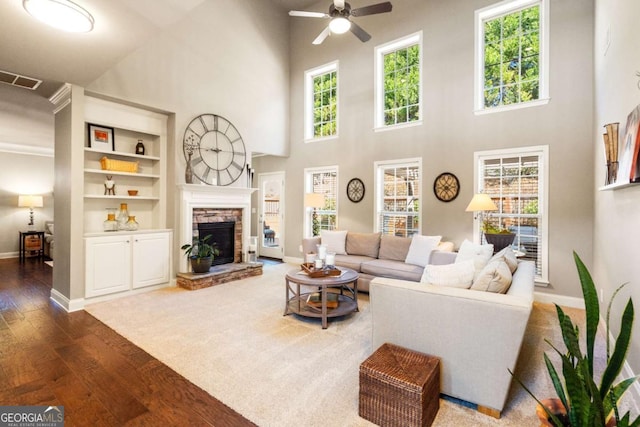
{"x":108,"y":265}
{"x":151,"y":259}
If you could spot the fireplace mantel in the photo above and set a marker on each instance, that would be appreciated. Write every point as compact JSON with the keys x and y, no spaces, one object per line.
{"x":193,"y":196}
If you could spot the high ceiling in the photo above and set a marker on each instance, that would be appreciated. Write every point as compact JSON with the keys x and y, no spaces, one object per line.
{"x":31,"y":48}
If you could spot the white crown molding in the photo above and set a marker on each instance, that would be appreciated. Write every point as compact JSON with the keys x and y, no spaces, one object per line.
{"x":61,"y":98}
{"x":29,"y":150}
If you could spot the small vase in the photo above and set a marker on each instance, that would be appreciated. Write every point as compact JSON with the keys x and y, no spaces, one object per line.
{"x":110,"y":224}
{"x":131,"y":224}
{"x":123,"y":217}
{"x":140,"y":148}
{"x":188,"y":173}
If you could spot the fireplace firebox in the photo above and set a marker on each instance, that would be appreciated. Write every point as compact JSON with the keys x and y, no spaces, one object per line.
{"x":223,"y":235}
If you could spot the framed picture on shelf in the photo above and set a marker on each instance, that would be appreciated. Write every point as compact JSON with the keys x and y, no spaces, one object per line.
{"x":101,"y":138}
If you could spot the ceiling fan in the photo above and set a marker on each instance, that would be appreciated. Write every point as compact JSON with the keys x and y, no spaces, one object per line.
{"x":339,"y":13}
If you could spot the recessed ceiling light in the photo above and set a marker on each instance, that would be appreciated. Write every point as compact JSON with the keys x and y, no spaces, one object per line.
{"x":62,"y":14}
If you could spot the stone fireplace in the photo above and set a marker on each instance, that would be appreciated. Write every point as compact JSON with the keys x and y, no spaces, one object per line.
{"x":211,"y":204}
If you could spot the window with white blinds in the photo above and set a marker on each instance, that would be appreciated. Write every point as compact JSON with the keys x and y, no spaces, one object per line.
{"x":398,"y":195}
{"x":322,"y":181}
{"x":516,"y":180}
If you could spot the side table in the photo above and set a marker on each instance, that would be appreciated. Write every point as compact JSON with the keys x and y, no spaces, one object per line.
{"x":28,"y":243}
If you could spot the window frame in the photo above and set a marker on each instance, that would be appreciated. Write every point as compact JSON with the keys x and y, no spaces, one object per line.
{"x":496,"y":10}
{"x":379,"y":53}
{"x":309,"y":76}
{"x":379,"y":167}
{"x":308,"y":188}
{"x":542,"y":151}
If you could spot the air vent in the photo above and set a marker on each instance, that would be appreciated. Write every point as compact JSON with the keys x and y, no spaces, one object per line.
{"x":18,"y":80}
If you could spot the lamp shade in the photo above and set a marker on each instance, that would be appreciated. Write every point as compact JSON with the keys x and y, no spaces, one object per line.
{"x":30,"y":201}
{"x":314,"y":200}
{"x":481,"y":202}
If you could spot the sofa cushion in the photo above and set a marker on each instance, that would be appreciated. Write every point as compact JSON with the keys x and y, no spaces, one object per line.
{"x":420,"y":249}
{"x":392,"y":269}
{"x":367,"y":244}
{"x":457,"y":275}
{"x":334,"y":240}
{"x":507,"y":256}
{"x":49,"y":227}
{"x":353,"y":262}
{"x":494,"y":277}
{"x":480,"y":254}
{"x":394,"y":248}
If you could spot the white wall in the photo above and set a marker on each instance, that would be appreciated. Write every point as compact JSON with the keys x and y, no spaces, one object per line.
{"x":227,"y":57}
{"x":617,"y":213}
{"x":26,"y":162}
{"x":451,"y":132}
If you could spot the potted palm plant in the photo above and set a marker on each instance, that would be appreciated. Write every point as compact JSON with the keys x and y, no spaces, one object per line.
{"x":582,"y":402}
{"x":200,"y":253}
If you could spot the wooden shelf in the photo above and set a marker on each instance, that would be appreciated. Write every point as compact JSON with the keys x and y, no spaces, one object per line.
{"x":123,"y":197}
{"x":121,"y":154}
{"x":108,"y":172}
{"x":618,"y":186}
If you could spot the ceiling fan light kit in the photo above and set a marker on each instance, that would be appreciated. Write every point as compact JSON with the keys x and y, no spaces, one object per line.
{"x":339,"y":25}
{"x":339,"y":13}
{"x":61,"y":14}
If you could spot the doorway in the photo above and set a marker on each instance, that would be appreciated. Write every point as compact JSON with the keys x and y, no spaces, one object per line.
{"x":271,"y":215}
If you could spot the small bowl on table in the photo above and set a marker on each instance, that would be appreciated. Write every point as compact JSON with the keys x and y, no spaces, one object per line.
{"x":132,"y":192}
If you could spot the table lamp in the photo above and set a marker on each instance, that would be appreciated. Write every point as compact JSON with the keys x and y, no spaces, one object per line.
{"x":315,"y":201}
{"x":480,"y":203}
{"x":30,"y":202}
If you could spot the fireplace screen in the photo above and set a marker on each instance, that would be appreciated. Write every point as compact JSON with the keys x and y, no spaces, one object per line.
{"x":223,"y":235}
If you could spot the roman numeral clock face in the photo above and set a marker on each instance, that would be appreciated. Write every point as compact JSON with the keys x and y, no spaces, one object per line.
{"x":216,"y":149}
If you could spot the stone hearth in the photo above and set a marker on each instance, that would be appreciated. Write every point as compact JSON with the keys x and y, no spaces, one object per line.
{"x":218,"y":275}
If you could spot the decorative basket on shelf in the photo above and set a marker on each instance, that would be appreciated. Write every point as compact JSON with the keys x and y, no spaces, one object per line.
{"x":118,"y":165}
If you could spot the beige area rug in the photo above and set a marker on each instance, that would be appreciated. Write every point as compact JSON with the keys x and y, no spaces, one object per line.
{"x":233,"y":341}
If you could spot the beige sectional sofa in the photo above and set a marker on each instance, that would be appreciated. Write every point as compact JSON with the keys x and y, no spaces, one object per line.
{"x":375,"y":255}
{"x":476,"y":334}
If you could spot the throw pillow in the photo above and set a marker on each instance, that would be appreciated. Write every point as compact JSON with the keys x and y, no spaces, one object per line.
{"x":495,"y":277}
{"x":334,"y":240}
{"x":50,"y":228}
{"x":420,"y":249}
{"x":509,"y":257}
{"x":480,"y":254}
{"x":456,"y":275}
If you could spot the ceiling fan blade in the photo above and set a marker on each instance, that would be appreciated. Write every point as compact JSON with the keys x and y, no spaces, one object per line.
{"x":373,"y":9}
{"x":308,"y":14}
{"x":323,"y":35}
{"x":339,"y":4}
{"x":359,"y":32}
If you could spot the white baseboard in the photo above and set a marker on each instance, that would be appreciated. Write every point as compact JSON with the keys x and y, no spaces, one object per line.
{"x":561,"y":300}
{"x":6,"y":255}
{"x":67,"y":304}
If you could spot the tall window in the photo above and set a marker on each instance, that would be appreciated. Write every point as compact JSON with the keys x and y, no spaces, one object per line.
{"x":321,"y":102}
{"x":511,"y":55}
{"x":322,"y":181}
{"x":516,"y":180}
{"x":399,"y":82}
{"x":398,"y":197}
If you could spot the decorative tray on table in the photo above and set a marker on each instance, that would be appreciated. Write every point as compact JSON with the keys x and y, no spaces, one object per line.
{"x":310,"y":269}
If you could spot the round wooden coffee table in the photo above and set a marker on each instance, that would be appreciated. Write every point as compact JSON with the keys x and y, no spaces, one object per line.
{"x":322,"y":297}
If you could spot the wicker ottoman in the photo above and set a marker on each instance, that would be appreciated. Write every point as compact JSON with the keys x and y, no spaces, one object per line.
{"x":399,"y":387}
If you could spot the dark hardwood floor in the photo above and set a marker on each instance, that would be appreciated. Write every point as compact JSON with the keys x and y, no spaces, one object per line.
{"x":51,"y":357}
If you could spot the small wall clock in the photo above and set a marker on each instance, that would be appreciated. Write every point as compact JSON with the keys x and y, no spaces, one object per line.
{"x":355,"y":190}
{"x":216,"y":149}
{"x":446,"y":187}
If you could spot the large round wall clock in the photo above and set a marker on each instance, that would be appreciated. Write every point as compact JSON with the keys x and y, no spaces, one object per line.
{"x":355,"y":190}
{"x":446,"y":187}
{"x":215,"y":150}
